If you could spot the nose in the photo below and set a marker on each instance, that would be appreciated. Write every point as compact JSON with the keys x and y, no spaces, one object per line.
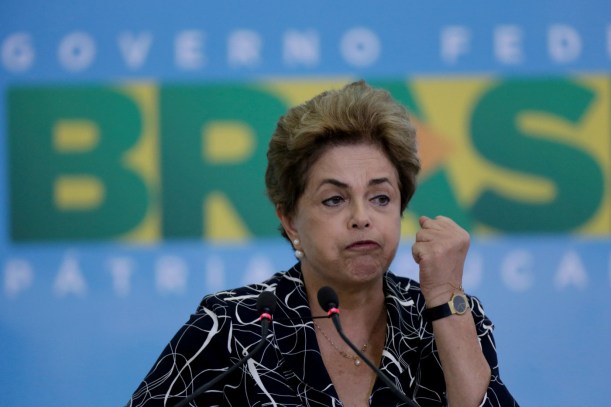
{"x":359,"y":217}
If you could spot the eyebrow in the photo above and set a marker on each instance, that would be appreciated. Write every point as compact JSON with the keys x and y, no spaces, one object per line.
{"x":339,"y":184}
{"x":378,"y":181}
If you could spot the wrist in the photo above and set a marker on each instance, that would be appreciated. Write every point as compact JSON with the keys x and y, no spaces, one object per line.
{"x":440,"y":294}
{"x":458,"y":304}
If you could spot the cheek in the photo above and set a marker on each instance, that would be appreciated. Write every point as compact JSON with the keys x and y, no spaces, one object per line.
{"x":392,"y":228}
{"x":321,"y":231}
{"x":321,"y":236}
{"x":310,"y":230}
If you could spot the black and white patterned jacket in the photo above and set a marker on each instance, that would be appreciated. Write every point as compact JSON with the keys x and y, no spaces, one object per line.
{"x":289,"y":371}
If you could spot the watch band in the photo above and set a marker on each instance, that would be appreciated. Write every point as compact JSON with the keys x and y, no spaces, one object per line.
{"x":458,"y":304}
{"x":438,"y":312}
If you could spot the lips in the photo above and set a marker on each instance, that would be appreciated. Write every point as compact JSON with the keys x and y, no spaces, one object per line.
{"x":363,"y":245}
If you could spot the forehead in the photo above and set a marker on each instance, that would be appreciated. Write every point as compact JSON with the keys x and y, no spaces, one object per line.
{"x":352,"y":163}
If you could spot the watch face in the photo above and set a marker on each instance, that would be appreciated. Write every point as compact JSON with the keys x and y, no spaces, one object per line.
{"x":460,"y":304}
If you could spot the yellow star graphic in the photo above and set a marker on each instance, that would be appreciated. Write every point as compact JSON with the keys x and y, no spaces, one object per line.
{"x":432,"y":148}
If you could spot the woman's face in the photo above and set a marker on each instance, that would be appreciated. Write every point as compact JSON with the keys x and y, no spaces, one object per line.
{"x":348,"y":218}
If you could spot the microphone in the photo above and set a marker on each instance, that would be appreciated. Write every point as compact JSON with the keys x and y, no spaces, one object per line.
{"x":266,"y":304}
{"x":327,"y":298}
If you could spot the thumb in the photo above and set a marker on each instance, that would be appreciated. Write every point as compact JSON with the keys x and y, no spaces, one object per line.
{"x":422,"y":219}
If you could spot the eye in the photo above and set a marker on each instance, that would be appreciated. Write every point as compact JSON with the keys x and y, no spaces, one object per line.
{"x":381,"y":200}
{"x":333,"y":201}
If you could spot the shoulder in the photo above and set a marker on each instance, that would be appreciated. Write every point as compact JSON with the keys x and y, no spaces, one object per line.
{"x":237,"y":300}
{"x":225,"y":313}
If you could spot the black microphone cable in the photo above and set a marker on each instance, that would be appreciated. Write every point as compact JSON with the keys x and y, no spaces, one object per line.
{"x":328,"y":300}
{"x":266,"y":304}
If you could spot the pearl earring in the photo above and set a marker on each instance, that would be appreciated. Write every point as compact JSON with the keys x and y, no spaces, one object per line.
{"x":298,"y":253}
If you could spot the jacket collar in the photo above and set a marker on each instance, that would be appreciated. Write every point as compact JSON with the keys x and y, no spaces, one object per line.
{"x":296,"y":338}
{"x":295,"y":335}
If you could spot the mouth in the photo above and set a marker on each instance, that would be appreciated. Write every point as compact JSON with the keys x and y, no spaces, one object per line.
{"x":363,"y":245}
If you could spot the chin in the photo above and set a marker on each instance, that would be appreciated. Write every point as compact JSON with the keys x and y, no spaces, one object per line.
{"x":367,"y":269}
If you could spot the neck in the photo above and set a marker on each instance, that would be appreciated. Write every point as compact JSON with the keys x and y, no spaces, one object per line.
{"x":363,"y":318}
{"x":357,"y":306}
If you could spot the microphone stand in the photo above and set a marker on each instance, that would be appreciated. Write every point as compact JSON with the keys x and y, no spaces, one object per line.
{"x":266,"y":304}
{"x":265,"y":322}
{"x":327,"y":298}
{"x":335,"y":318}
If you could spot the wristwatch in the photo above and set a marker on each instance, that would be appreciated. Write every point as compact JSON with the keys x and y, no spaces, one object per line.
{"x":458,"y":304}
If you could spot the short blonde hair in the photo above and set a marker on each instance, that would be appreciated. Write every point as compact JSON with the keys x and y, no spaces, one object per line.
{"x":355,"y":114}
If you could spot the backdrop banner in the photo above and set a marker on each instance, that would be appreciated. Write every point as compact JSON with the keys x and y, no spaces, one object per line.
{"x":133,"y":141}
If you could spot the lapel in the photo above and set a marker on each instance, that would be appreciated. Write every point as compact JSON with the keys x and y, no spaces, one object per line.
{"x":301,"y":363}
{"x":403,"y":332}
{"x":296,"y":340}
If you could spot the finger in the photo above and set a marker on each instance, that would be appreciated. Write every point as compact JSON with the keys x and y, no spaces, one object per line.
{"x":444,"y":221}
{"x":416,"y":253}
{"x":428,"y":223}
{"x":425,"y":235}
{"x":422,"y":220}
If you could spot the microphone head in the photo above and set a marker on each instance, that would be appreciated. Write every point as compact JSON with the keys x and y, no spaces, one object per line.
{"x":327,"y":298}
{"x":266,"y":303}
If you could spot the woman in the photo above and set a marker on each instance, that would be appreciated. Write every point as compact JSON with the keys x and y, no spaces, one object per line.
{"x":341,"y":171}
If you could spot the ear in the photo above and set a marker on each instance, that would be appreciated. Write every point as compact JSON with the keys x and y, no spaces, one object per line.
{"x":287,"y":223}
